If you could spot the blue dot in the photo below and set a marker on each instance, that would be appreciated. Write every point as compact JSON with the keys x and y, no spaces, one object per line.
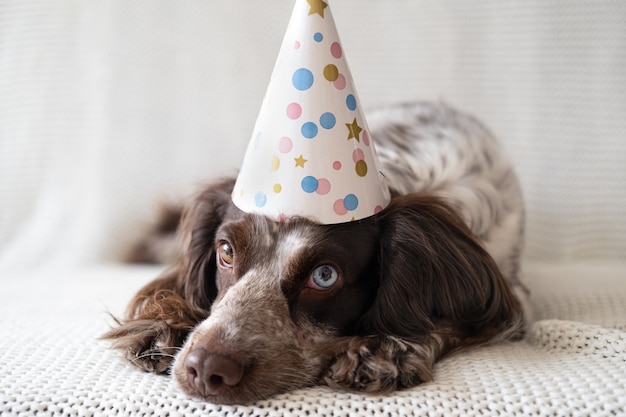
{"x":318,"y":37}
{"x":257,"y":140}
{"x":351,"y":202}
{"x":302,"y":79}
{"x":260,"y":199}
{"x":327,"y":120}
{"x":309,"y":184}
{"x":351,"y":102}
{"x":309,"y":130}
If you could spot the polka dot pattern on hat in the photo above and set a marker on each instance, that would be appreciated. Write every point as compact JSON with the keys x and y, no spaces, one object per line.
{"x":311,"y":116}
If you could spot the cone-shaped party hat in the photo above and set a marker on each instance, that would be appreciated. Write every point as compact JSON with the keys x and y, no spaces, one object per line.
{"x":311,"y":153}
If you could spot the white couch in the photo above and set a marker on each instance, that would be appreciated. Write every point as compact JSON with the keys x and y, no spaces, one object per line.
{"x":108,"y":107}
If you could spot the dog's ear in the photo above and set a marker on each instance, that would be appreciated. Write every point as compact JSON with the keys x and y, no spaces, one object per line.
{"x":162,"y":313}
{"x":435,"y":275}
{"x":157,"y":321}
{"x":201,"y":219}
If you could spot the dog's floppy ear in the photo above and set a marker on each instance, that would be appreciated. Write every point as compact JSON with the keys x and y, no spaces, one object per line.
{"x":162,"y":313}
{"x":435,"y":275}
{"x":201,"y":219}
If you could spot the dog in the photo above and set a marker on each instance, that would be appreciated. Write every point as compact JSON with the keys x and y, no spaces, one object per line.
{"x":253,"y":307}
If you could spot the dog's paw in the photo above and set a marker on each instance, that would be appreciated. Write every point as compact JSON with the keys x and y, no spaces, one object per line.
{"x":149,"y":345}
{"x":155,"y":355}
{"x":378,"y":364}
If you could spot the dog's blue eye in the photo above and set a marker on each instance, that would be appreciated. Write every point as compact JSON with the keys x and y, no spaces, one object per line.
{"x":324,"y":277}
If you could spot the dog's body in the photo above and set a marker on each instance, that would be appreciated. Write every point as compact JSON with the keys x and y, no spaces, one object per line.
{"x":261,"y":307}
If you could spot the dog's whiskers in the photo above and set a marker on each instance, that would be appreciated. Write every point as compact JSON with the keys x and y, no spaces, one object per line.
{"x":154,"y":353}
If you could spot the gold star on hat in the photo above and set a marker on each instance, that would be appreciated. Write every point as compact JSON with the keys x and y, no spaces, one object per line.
{"x":354,"y":130}
{"x":317,"y":6}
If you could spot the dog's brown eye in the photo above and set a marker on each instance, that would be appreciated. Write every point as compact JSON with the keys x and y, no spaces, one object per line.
{"x":323,"y":278}
{"x":225,"y":255}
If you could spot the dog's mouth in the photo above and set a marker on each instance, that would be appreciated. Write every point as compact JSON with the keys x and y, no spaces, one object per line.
{"x":253,"y":367}
{"x":222,"y":379}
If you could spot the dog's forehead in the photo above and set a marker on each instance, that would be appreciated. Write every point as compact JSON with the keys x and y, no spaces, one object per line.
{"x":260,"y":232}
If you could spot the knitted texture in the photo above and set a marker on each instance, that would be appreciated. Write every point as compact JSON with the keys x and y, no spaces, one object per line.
{"x":53,"y":364}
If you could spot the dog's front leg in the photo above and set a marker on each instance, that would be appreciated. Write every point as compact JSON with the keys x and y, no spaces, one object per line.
{"x":380,"y":363}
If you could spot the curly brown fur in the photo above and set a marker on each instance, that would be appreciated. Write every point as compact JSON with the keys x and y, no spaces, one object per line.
{"x":157,"y":323}
{"x":459,"y":300}
{"x":162,"y":314}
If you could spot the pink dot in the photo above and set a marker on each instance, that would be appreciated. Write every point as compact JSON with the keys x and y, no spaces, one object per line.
{"x":337,"y":165}
{"x":285,"y":144}
{"x":377,"y":209}
{"x":339,"y":208}
{"x":340,"y":82}
{"x":365,"y":137}
{"x":323,"y":186}
{"x":335,"y":50}
{"x":358,"y":155}
{"x":296,"y":45}
{"x":294,"y":111}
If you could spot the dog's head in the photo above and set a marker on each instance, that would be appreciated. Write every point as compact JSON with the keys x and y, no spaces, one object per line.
{"x":280,"y":294}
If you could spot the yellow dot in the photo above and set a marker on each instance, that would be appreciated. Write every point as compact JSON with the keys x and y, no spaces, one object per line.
{"x":331,"y":73}
{"x":277,"y":188}
{"x":361,"y":168}
{"x":275,"y":163}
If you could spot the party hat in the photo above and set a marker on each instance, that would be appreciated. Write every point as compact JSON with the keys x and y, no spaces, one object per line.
{"x":311,"y":153}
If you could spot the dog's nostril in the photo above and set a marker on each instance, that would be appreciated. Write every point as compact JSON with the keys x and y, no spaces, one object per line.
{"x":210,"y":374}
{"x":223,"y":370}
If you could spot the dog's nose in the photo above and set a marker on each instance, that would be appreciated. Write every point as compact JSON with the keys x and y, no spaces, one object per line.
{"x":210,"y":374}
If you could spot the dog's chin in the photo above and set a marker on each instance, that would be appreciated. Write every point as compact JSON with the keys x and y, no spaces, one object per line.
{"x":238,"y":395}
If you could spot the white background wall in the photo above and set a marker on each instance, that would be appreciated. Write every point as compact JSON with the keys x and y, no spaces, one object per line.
{"x":108,"y":106}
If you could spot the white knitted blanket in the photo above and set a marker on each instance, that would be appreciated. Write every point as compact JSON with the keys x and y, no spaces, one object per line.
{"x":105,"y":106}
{"x":573,"y":362}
